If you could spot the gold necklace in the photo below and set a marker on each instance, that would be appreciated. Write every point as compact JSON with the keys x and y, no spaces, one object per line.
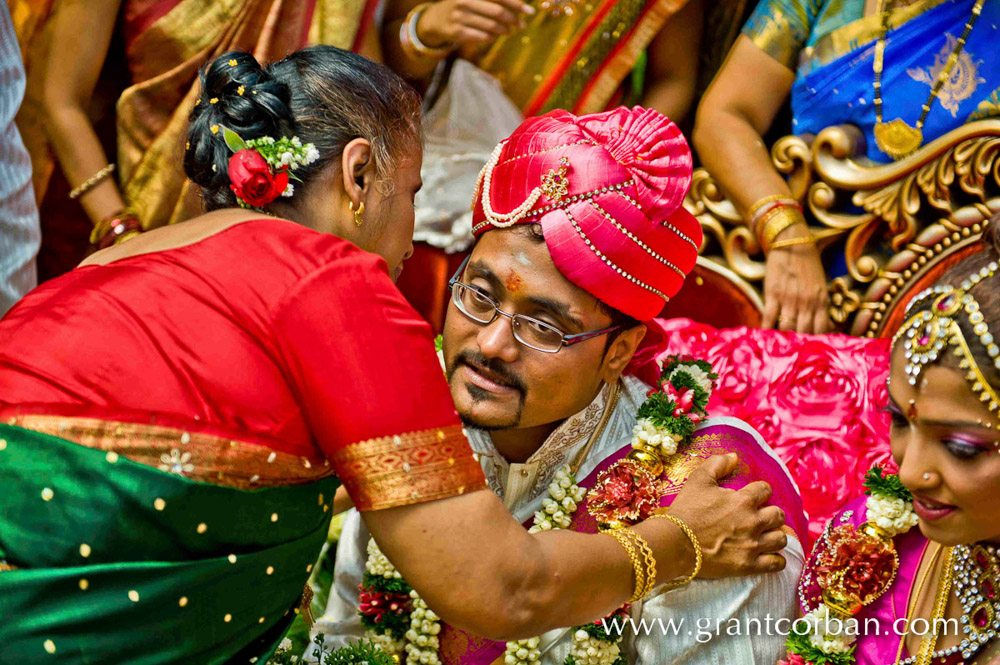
{"x":926,"y":653}
{"x":912,"y":606}
{"x":897,"y":138}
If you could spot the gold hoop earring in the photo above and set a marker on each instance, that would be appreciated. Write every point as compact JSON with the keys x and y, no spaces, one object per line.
{"x":357,"y":213}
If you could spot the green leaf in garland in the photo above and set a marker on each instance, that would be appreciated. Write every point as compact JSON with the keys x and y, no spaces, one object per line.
{"x":385,"y":584}
{"x":360,"y":652}
{"x":439,"y":343}
{"x":233,"y":140}
{"x":888,"y":485}
{"x":799,"y":643}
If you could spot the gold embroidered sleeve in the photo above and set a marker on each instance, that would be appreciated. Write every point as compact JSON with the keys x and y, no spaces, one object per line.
{"x":408,"y":468}
{"x":781,"y":28}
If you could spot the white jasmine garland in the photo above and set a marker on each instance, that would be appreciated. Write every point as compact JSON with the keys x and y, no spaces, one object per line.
{"x":697,"y":374}
{"x":830,"y":634}
{"x":647,"y":433}
{"x":522,"y":651}
{"x":422,"y":641}
{"x":892,"y":514}
{"x":588,"y":650}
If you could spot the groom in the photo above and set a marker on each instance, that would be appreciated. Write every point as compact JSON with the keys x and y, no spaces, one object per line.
{"x":581,"y":236}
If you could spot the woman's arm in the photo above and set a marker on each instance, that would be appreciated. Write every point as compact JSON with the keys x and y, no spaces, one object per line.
{"x":81,"y":36}
{"x":482,"y":571}
{"x":376,"y":401}
{"x":449,"y":24}
{"x":733,"y":116}
{"x":672,"y":69}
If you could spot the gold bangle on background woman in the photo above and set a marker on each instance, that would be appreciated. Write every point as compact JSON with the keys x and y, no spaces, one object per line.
{"x":645,"y":575}
{"x":115,"y":229}
{"x":92,"y":182}
{"x":694,"y":543}
{"x":776,"y":221}
{"x":758,"y":207}
{"x":410,"y":40}
{"x":791,"y":242}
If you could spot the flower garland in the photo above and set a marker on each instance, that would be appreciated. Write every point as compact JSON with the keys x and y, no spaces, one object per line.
{"x":259,"y":169}
{"x":856,"y":566}
{"x":399,"y":621}
{"x":629,"y":491}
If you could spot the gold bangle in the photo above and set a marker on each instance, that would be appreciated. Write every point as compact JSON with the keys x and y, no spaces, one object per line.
{"x":648,"y":559}
{"x":694,"y":543}
{"x":92,"y":182}
{"x":777,"y":221}
{"x":637,"y":569}
{"x":411,"y":42}
{"x":789,"y":242}
{"x":755,"y":208}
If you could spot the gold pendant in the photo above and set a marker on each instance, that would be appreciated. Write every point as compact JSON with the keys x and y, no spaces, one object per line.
{"x":897,"y":139}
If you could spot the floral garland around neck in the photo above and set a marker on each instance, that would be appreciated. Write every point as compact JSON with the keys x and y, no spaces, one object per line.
{"x":401,"y":624}
{"x":855,"y":567}
{"x":629,"y":491}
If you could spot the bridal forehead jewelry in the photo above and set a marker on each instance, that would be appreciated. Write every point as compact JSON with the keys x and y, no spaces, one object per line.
{"x":929,"y":334}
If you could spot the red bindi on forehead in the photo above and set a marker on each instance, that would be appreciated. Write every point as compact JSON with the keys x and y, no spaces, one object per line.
{"x":514,"y":283}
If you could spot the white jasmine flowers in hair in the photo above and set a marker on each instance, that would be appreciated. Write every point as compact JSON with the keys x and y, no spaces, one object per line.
{"x":289,"y":190}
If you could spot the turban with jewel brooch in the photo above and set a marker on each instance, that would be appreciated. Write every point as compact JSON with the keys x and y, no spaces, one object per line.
{"x":608,"y":191}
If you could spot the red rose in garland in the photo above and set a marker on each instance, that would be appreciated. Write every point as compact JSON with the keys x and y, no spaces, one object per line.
{"x":252,"y":180}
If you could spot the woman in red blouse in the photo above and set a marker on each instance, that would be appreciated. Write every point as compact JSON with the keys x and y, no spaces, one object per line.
{"x":177,"y":410}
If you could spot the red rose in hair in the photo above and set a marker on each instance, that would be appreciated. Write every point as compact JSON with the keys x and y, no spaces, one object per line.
{"x":252,"y":181}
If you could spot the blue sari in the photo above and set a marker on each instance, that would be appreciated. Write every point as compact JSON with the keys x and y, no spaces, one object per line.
{"x":830,"y":45}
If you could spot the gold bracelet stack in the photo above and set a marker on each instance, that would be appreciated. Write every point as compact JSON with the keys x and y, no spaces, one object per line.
{"x":92,"y":181}
{"x":644,"y":568}
{"x":694,"y":543}
{"x":777,"y":220}
{"x":759,"y":205}
{"x":411,"y":42}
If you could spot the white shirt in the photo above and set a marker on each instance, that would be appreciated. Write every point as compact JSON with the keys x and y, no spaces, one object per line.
{"x":20,"y":234}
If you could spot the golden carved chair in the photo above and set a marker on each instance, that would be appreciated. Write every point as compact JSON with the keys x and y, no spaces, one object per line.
{"x":899,"y":226}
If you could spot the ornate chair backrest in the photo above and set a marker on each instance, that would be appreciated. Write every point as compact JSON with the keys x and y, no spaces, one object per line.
{"x":895,"y":227}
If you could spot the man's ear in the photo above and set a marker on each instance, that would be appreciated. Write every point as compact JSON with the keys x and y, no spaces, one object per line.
{"x":358,"y":169}
{"x":617,"y":358}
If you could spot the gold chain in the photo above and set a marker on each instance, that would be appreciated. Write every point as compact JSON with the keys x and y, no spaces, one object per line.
{"x":897,"y":138}
{"x":926,"y":653}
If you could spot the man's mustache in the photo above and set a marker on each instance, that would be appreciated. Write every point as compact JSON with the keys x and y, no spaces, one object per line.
{"x":497,"y":369}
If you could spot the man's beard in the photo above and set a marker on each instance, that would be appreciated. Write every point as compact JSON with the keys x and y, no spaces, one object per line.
{"x":478,"y":395}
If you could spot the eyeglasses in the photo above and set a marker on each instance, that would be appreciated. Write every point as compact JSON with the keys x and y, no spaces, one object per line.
{"x":538,"y":335}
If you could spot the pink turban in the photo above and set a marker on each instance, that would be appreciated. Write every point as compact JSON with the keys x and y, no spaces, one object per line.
{"x":607,"y":189}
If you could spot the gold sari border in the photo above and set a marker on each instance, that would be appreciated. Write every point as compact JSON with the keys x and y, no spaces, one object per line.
{"x":196,"y":456}
{"x":859,"y":33}
{"x":410,"y":468}
{"x":619,"y":64}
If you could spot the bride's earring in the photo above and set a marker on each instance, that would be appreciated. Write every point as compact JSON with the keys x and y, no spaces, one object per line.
{"x":357,"y":213}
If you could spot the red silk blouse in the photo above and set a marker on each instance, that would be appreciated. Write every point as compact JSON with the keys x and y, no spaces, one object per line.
{"x":266,"y":332}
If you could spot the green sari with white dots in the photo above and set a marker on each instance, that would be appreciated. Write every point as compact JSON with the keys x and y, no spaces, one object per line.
{"x":106,"y":560}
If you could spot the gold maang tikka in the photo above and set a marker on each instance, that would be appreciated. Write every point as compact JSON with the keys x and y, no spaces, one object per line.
{"x":929,"y":334}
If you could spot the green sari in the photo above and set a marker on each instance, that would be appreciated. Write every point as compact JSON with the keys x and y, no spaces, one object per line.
{"x":218,"y":570}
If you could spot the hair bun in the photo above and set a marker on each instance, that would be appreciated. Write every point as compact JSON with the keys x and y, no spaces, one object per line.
{"x":239,"y":94}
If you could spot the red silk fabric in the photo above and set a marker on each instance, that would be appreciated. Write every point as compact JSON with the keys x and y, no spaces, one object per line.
{"x":637,"y":148}
{"x":267,"y":331}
